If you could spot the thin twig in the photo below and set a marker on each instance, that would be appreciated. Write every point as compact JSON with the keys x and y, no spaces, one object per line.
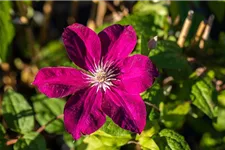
{"x":39,"y":130}
{"x":152,"y":105}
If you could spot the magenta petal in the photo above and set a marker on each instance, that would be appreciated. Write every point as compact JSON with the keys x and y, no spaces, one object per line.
{"x":83,"y":114}
{"x":83,"y":45}
{"x":126,"y":110}
{"x":117,"y":41}
{"x":137,"y":74}
{"x":59,"y":81}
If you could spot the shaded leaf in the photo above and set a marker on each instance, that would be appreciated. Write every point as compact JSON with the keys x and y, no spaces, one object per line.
{"x":167,"y":55}
{"x":47,"y":109}
{"x":30,"y":141}
{"x":174,"y":140}
{"x":17,"y":113}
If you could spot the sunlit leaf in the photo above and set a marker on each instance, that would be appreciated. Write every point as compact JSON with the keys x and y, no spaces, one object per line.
{"x":100,"y":139}
{"x":174,"y":140}
{"x":220,"y":121}
{"x":17,"y":113}
{"x":111,"y":128}
{"x":203,"y":96}
{"x":173,"y":114}
{"x":30,"y":141}
{"x":47,"y":109}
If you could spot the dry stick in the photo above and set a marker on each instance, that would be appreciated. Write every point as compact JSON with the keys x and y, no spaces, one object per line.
{"x":152,"y":105}
{"x":199,"y":32}
{"x":206,"y":33}
{"x":91,"y":23}
{"x":47,"y":8}
{"x":73,"y":14}
{"x":101,"y":11}
{"x":185,"y":29}
{"x":39,"y":130}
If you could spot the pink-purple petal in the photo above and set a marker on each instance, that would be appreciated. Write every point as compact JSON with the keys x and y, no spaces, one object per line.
{"x":137,"y":74}
{"x":83,"y":45}
{"x":83,"y":114}
{"x":126,"y":110}
{"x":59,"y":81}
{"x":117,"y":42}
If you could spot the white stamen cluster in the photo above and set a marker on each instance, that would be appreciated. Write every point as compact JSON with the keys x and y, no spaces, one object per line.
{"x":103,"y":75}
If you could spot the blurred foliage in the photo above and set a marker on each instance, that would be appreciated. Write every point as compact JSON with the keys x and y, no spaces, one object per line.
{"x":6,"y":29}
{"x":185,"y":105}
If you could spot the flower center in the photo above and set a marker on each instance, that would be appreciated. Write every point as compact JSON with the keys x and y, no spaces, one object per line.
{"x":102,"y":76}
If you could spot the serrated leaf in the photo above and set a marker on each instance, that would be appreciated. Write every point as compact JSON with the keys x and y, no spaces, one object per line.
{"x":6,"y":29}
{"x":111,"y":128}
{"x":17,"y":113}
{"x":101,"y":139}
{"x":30,"y":141}
{"x":203,"y":96}
{"x":168,"y":55}
{"x":174,"y":140}
{"x":46,"y":109}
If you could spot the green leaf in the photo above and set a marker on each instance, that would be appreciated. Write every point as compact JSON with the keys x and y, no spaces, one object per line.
{"x":47,"y":109}
{"x":148,"y":143}
{"x":173,"y":114}
{"x":203,"y":96}
{"x":167,"y":55}
{"x":149,"y":7}
{"x":2,"y":130}
{"x":78,"y":144}
{"x":2,"y":139}
{"x":144,"y":46}
{"x":219,"y":125}
{"x":111,"y":128}
{"x":56,"y":50}
{"x":6,"y":29}
{"x":174,"y":140}
{"x":17,"y":113}
{"x":221,"y":98}
{"x":100,"y":140}
{"x":3,"y":145}
{"x":30,"y":141}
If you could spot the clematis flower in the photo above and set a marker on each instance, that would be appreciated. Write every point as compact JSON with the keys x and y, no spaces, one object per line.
{"x":109,"y":83}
